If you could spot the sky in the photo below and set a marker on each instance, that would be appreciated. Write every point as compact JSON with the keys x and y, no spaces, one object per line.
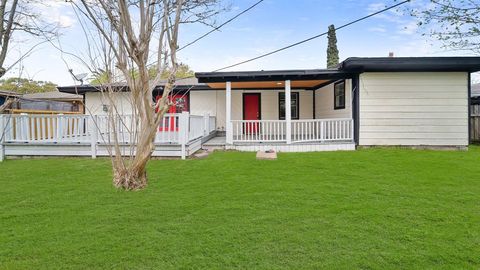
{"x":270,"y":25}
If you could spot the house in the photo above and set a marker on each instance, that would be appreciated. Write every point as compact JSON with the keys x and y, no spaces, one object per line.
{"x":5,"y":95}
{"x":414,"y":102}
{"x":475,"y":113}
{"x":48,"y":102}
{"x":419,"y":101}
{"x":475,"y":95}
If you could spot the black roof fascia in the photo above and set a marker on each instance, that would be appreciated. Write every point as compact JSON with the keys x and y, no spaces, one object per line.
{"x":82,"y":89}
{"x":411,"y":64}
{"x":276,"y":75}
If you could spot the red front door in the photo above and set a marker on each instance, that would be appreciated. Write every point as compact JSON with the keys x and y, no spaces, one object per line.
{"x":251,"y":111}
{"x":180,"y":104}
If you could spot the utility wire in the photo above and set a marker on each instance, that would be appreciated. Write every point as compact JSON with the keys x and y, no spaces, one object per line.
{"x":220,"y":26}
{"x":215,"y":28}
{"x":300,"y":42}
{"x":312,"y":38}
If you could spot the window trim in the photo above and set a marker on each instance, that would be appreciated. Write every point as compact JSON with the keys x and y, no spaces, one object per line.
{"x":298,"y":105}
{"x":335,"y":107}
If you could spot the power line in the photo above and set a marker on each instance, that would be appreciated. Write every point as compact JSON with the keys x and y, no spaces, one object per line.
{"x":312,"y":38}
{"x":302,"y":41}
{"x":221,"y":25}
{"x":216,"y":28}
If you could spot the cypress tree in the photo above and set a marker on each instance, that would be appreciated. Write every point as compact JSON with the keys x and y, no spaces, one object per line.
{"x":332,"y":50}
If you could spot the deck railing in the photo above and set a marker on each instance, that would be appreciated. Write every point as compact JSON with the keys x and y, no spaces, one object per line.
{"x":259,"y":130}
{"x":322,"y":130}
{"x":311,"y":130}
{"x":59,"y":129}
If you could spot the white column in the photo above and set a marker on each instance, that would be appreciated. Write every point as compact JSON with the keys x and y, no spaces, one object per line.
{"x":228,"y":114}
{"x":206,"y":124}
{"x":288,"y":111}
{"x":184,"y":126}
{"x":93,"y":135}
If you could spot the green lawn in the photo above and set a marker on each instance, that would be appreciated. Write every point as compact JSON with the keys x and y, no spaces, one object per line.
{"x":369,"y":209}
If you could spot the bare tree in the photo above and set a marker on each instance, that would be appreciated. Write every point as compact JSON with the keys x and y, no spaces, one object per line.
{"x":455,"y":23}
{"x":125,"y":34}
{"x":17,"y":17}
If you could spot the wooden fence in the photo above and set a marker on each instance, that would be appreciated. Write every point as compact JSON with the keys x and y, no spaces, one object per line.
{"x":475,"y":123}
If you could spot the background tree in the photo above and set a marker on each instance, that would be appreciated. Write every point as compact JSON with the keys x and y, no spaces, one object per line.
{"x":21,"y":17}
{"x":455,"y":23}
{"x":26,"y":86}
{"x":121,"y":36}
{"x":183,"y":71}
{"x":332,"y":50}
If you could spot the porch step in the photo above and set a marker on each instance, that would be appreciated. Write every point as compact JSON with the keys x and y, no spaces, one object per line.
{"x":201,"y":154}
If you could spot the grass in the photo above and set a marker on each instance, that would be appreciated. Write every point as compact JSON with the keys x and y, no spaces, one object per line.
{"x":369,"y":209}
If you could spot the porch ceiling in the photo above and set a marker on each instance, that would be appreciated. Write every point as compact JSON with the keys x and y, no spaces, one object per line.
{"x":297,"y":84}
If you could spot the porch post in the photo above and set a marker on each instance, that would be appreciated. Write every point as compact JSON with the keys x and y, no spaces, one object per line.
{"x":93,"y":122}
{"x":228,"y":114}
{"x":184,"y":132}
{"x":288,"y":112}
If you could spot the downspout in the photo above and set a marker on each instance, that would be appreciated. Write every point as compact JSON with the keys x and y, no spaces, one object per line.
{"x":356,"y":108}
{"x":469,"y":108}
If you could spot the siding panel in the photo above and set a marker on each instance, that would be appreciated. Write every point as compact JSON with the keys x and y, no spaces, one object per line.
{"x":420,"y":108}
{"x":324,"y":107}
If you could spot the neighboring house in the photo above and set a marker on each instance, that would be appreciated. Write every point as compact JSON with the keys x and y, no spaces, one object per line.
{"x":476,"y":94}
{"x":365,"y":102}
{"x":5,"y":95}
{"x":48,"y":102}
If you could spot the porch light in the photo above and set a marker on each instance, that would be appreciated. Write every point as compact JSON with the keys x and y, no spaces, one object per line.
{"x":279,"y":83}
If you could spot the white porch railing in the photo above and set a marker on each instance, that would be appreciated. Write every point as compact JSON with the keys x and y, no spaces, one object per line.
{"x":59,"y":129}
{"x":322,"y":130}
{"x":311,"y":130}
{"x":259,"y":130}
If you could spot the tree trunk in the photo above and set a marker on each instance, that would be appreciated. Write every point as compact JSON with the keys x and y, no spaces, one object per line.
{"x":129,"y":178}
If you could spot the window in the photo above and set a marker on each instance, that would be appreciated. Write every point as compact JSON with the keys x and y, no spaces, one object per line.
{"x":294,"y":105}
{"x":339,"y":95}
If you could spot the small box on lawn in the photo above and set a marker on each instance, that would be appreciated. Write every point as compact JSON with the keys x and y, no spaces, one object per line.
{"x":267,"y":155}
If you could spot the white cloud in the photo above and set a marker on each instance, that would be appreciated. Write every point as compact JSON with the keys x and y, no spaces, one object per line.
{"x":409,"y":28}
{"x":56,"y":12}
{"x":378,"y":29}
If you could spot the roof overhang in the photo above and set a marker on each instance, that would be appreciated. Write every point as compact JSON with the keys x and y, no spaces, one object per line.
{"x":411,"y":64}
{"x":82,"y":89}
{"x":272,"y":75}
{"x":273,"y":79}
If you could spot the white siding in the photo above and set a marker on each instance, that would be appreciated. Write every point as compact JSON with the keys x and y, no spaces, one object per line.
{"x":324,"y":106}
{"x":269,"y":104}
{"x":94,"y":102}
{"x":213,"y":102}
{"x":421,"y":108}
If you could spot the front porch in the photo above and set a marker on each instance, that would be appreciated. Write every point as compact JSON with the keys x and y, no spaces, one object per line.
{"x":320,"y":114}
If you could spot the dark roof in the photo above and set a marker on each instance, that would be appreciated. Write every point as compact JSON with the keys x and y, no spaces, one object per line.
{"x":5,"y":93}
{"x":180,"y":85}
{"x":53,"y":95}
{"x":399,"y":64}
{"x":348,"y":67}
{"x":272,"y":75}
